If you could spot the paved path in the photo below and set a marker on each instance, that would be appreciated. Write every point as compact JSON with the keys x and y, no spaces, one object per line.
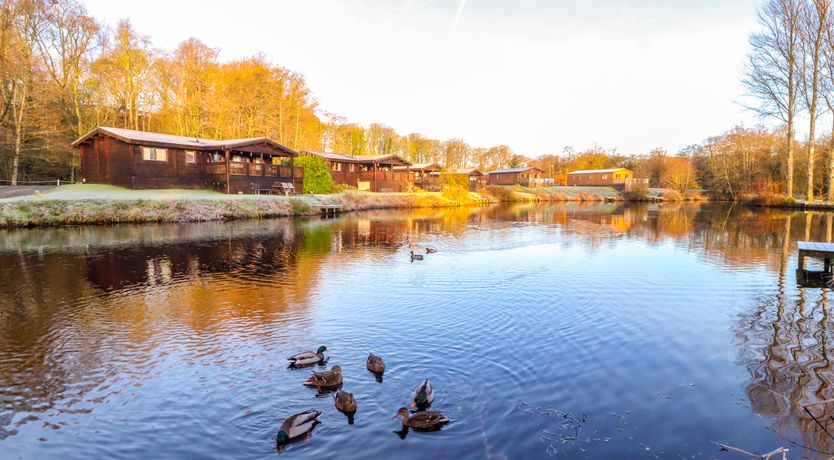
{"x":11,"y":191}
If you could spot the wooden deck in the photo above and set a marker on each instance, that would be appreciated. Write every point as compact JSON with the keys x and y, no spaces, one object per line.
{"x":818,"y":250}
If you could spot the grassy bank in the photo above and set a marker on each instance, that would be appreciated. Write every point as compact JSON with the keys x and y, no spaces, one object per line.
{"x":549,"y":194}
{"x":102,"y":204}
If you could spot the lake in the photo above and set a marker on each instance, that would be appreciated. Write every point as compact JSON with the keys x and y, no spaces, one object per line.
{"x":573,"y":331}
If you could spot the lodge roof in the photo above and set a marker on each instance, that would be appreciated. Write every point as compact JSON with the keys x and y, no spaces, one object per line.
{"x":132,"y":136}
{"x":598,"y":171}
{"x":421,"y":167}
{"x":514,"y":170}
{"x":468,"y":171}
{"x":390,"y":159}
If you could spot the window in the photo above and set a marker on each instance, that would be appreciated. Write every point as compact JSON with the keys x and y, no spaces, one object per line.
{"x":351,"y":167}
{"x":190,"y":157}
{"x":335,"y":166}
{"x":154,"y":154}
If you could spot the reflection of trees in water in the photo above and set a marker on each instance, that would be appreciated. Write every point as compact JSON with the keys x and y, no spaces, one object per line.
{"x":783,"y":341}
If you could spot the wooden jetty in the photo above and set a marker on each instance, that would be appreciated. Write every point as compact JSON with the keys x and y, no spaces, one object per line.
{"x":329,"y":210}
{"x":817,"y":250}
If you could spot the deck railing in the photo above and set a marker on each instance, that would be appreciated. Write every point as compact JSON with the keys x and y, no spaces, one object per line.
{"x":239,"y":168}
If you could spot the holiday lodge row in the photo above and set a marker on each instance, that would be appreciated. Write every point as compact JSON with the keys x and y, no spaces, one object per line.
{"x":145,"y":160}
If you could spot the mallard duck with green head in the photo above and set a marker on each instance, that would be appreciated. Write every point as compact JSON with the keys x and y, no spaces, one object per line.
{"x":307,"y":358}
{"x":423,"y":396}
{"x":296,"y":426}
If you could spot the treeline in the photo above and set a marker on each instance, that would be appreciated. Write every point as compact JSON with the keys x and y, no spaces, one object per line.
{"x":63,"y":73}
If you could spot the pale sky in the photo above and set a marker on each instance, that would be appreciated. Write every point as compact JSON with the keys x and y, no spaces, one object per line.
{"x":537,"y":75}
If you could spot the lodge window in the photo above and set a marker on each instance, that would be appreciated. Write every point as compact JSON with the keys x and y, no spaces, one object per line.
{"x":604,"y":177}
{"x":190,"y":157}
{"x":154,"y":154}
{"x":335,"y":166}
{"x":352,"y":167}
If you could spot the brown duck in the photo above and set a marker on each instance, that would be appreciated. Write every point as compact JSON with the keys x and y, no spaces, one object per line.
{"x":326,"y":380}
{"x":375,"y":364}
{"x":345,"y":401}
{"x":422,"y":421}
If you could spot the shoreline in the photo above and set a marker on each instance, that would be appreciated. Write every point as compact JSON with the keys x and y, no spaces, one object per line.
{"x":88,"y":204}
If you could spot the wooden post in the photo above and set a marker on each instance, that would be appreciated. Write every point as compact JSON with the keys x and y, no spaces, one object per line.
{"x":263,"y":165}
{"x":228,"y":172}
{"x":376,"y":171}
{"x":292,"y":171}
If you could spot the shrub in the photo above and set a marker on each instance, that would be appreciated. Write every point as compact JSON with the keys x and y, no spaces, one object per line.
{"x":671,"y":195}
{"x":317,"y":178}
{"x":298,"y":207}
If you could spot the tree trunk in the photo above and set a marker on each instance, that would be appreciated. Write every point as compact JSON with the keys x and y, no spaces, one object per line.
{"x":789,"y":171}
{"x":831,"y":165}
{"x":18,"y":108}
{"x":811,"y":160}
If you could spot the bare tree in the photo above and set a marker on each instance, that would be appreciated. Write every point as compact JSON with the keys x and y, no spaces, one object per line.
{"x":771,"y":73}
{"x":827,"y":91}
{"x":812,"y":34}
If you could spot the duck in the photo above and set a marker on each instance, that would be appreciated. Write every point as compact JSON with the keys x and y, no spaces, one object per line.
{"x":423,"y":396}
{"x":375,"y":364}
{"x":326,"y":380}
{"x":422,"y":421}
{"x":345,"y":402}
{"x":431,"y":250}
{"x":307,"y":358}
{"x":296,"y":426}
{"x":416,"y":256}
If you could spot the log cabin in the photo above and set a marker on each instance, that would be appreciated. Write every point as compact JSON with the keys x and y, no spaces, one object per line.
{"x":423,"y":175}
{"x":143,"y":160}
{"x":613,"y":177}
{"x":473,"y":176}
{"x":375,"y":173}
{"x":527,"y":176}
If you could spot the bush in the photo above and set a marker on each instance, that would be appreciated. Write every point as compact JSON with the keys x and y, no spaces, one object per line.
{"x":317,"y":178}
{"x":671,"y":195}
{"x":298,"y":207}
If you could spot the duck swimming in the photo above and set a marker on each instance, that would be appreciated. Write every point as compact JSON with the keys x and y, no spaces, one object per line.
{"x":345,"y":402}
{"x":423,"y":396}
{"x":416,"y":256}
{"x":326,"y":380}
{"x":375,"y":364}
{"x":307,"y":358}
{"x":296,"y":426}
{"x":422,"y":421}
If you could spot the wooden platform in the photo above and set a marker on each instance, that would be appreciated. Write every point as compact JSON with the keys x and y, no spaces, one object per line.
{"x":818,"y":250}
{"x":329,"y":210}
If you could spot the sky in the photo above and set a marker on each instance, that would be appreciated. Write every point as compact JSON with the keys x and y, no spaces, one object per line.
{"x":536,"y":75}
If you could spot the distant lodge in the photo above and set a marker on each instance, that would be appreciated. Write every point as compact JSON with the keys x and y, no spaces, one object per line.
{"x":621,"y":178}
{"x":374,"y":173}
{"x":141,"y":160}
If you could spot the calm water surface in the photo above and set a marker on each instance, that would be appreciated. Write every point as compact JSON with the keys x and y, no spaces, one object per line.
{"x":576,"y":331}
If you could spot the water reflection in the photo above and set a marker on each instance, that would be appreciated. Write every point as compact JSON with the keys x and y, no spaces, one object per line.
{"x":196,"y":319}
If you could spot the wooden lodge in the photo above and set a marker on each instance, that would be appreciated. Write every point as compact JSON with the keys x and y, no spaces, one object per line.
{"x":527,"y":176}
{"x":423,"y":175}
{"x":375,"y":173}
{"x":473,"y":176}
{"x":142,"y":160}
{"x":614,"y":177}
